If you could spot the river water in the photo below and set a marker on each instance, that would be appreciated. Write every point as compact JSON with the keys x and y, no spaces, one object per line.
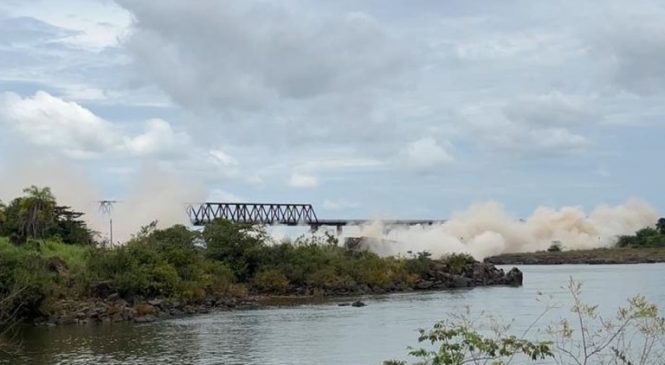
{"x":331,"y":334}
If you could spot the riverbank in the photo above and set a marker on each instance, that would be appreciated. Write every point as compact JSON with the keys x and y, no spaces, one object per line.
{"x":170,"y":273}
{"x":600,"y":256}
{"x":109,"y":307}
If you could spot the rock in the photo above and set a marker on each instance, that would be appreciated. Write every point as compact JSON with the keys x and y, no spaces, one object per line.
{"x":424,"y":284}
{"x":156,"y":302}
{"x":343,"y":304}
{"x":145,"y":309}
{"x":145,"y":319}
{"x":128,"y":313}
{"x":102,"y":289}
{"x":66,"y":319}
{"x":459,"y":281}
{"x":514,"y":277}
{"x":358,"y":303}
{"x":117,"y":318}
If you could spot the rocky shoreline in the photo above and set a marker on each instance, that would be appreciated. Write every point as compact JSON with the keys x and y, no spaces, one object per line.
{"x":106,"y":306}
{"x":601,"y":256}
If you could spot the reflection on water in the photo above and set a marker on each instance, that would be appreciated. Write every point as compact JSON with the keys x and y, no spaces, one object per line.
{"x":327,"y":333}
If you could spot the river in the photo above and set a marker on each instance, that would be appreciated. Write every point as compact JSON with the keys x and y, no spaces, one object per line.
{"x":331,"y":334}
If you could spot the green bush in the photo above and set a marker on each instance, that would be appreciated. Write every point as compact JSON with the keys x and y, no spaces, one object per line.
{"x":271,"y":281}
{"x":456,"y":262}
{"x":24,"y":282}
{"x":645,"y":237}
{"x":239,"y":246}
{"x":420,"y":264}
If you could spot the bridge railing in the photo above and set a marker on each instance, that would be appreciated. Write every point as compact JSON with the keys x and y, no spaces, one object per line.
{"x":253,"y":213}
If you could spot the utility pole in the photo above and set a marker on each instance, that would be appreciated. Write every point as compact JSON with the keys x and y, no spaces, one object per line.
{"x":106,"y":207}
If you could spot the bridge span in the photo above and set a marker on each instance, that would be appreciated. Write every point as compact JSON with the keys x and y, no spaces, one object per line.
{"x":280,"y":214}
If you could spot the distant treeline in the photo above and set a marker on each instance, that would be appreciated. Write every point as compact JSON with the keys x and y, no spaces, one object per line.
{"x":645,"y":237}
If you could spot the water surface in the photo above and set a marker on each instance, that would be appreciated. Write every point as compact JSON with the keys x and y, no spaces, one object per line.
{"x":330,"y":334}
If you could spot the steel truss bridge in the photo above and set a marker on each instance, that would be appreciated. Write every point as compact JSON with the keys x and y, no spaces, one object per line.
{"x":279,"y":214}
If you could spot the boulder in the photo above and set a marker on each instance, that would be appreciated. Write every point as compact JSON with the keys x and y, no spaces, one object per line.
{"x":145,"y":319}
{"x":145,"y":309}
{"x":424,"y":285}
{"x":514,"y":277}
{"x":102,"y":289}
{"x":358,"y":303}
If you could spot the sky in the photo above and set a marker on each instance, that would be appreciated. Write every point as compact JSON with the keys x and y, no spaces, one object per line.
{"x":363,"y":108}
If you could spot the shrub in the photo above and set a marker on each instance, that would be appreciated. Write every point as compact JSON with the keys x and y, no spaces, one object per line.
{"x":24,"y":284}
{"x":457,"y":262}
{"x":329,"y":279}
{"x":420,"y":264}
{"x":239,"y":246}
{"x":271,"y":281}
{"x":645,"y":237}
{"x":555,"y":247}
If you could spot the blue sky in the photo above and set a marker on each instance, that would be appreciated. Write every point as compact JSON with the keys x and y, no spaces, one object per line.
{"x":363,"y":108}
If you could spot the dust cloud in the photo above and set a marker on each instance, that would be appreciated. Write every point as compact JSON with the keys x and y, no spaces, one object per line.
{"x":153,"y":195}
{"x":486,"y":229}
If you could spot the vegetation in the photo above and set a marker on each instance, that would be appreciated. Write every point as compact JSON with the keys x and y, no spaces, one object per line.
{"x":47,"y":252}
{"x":645,"y":237}
{"x":583,"y":337}
{"x":36,"y":215}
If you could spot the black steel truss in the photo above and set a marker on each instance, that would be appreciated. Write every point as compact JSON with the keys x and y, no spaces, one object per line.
{"x":253,"y":213}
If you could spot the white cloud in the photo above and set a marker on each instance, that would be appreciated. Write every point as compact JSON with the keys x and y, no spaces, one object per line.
{"x":550,"y":110}
{"x":52,"y":122}
{"x":290,"y":53}
{"x":538,"y":142}
{"x":158,"y":139}
{"x":425,"y":154}
{"x":532,"y":126}
{"x":221,"y":195}
{"x":631,"y":44}
{"x":222,"y":158}
{"x":299,"y":180}
{"x":341,"y":204}
{"x":66,"y":126}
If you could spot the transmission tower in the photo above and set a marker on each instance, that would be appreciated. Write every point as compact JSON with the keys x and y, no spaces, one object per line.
{"x":106,"y":208}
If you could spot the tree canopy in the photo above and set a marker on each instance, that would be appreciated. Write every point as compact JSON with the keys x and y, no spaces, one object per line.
{"x":36,"y":214}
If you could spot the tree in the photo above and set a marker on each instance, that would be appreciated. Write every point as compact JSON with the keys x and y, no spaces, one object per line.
{"x":70,"y":228}
{"x":661,"y":225}
{"x":3,"y":215}
{"x":37,"y":212}
{"x":240,"y":246}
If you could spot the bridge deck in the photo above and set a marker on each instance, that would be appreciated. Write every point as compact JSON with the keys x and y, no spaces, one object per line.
{"x":279,"y":214}
{"x":395,"y":222}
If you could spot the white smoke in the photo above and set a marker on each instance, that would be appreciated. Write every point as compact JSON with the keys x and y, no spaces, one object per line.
{"x":153,"y":195}
{"x":482,"y":230}
{"x":486,"y":229}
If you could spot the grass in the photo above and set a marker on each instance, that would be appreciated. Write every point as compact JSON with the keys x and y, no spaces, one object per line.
{"x":74,"y":255}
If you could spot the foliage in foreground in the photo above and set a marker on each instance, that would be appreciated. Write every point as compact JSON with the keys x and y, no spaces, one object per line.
{"x":635,"y":336}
